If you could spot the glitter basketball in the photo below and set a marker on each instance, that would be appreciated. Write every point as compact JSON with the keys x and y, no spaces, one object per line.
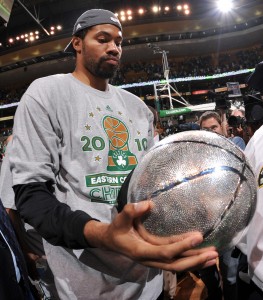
{"x":198,"y":181}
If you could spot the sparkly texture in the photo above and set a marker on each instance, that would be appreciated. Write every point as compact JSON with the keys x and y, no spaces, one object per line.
{"x":198,"y":181}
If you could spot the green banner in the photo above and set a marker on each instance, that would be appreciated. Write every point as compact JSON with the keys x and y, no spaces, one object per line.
{"x":175,"y":111}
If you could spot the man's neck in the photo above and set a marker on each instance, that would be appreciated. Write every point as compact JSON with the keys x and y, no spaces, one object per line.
{"x":100,"y":84}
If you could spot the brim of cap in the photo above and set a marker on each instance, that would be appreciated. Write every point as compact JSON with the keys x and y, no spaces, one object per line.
{"x":69,"y":48}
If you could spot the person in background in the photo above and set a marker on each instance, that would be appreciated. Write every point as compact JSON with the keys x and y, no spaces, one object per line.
{"x":156,"y":121}
{"x":29,"y":240}
{"x":250,"y":275}
{"x":210,"y":120}
{"x":14,"y":282}
{"x":76,"y":139}
{"x":3,"y":149}
{"x":237,"y":124}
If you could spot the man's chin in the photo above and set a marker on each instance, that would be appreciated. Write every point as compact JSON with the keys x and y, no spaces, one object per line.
{"x":107,"y":74}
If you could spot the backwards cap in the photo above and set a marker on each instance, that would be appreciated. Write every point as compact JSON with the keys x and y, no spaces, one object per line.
{"x":91,"y":18}
{"x":253,"y":108}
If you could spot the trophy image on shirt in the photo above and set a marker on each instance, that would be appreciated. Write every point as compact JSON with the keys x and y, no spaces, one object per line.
{"x":119,"y":157}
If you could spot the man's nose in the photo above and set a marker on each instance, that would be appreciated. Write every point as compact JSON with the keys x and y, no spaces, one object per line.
{"x":113,"y":48}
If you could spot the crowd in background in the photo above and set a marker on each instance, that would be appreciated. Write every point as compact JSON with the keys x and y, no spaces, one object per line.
{"x":185,"y":67}
{"x":147,"y":71}
{"x":188,"y":67}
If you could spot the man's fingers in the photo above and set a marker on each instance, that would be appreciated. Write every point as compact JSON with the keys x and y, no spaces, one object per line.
{"x":168,"y":252}
{"x":186,"y":263}
{"x":193,"y":252}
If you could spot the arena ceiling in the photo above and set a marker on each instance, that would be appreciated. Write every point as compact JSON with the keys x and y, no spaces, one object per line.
{"x":65,"y":12}
{"x":204,"y":18}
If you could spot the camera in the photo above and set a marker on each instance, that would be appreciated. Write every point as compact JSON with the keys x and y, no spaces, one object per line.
{"x":181,"y":127}
{"x":236,"y":121}
{"x":222,"y":103}
{"x":187,"y":126}
{"x":221,"y":100}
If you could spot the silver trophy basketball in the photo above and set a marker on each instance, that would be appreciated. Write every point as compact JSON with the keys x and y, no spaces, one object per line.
{"x":198,"y":181}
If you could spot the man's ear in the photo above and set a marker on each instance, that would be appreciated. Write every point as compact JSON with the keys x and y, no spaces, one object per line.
{"x":77,"y":44}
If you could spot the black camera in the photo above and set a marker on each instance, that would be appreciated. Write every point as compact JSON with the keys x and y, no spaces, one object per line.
{"x":187,"y":126}
{"x":221,"y":100}
{"x":236,"y":121}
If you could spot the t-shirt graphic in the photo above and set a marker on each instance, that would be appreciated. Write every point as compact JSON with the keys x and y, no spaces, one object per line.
{"x":119,"y":156}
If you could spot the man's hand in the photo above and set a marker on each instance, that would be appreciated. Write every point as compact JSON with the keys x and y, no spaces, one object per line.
{"x":170,"y":254}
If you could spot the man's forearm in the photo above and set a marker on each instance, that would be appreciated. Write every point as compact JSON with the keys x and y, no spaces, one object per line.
{"x":54,"y":221}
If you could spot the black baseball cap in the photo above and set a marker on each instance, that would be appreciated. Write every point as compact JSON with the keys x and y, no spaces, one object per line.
{"x":253,"y":108}
{"x":91,"y":18}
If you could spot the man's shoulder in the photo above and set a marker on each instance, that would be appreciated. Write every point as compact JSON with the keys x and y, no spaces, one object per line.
{"x":131,"y":98}
{"x":238,"y":141}
{"x":122,"y":91}
{"x":46,"y":87}
{"x":50,"y":80}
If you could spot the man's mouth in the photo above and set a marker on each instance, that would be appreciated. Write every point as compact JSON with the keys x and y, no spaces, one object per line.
{"x":112,"y":60}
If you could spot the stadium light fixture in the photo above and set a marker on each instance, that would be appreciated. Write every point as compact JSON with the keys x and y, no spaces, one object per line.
{"x":225,"y":6}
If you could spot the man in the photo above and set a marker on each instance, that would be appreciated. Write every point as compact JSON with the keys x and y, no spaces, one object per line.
{"x":210,"y":120}
{"x":76,"y":138}
{"x":29,"y":240}
{"x":250,"y":286}
{"x":237,"y":123}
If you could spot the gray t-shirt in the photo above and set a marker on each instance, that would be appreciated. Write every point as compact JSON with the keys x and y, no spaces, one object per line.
{"x":86,"y":141}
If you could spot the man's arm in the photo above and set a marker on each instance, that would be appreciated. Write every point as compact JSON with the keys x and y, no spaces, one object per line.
{"x":55,"y":221}
{"x":60,"y":226}
{"x":30,"y":256}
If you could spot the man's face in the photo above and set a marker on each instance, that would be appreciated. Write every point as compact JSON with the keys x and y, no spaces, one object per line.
{"x":101,"y":50}
{"x":212,"y":124}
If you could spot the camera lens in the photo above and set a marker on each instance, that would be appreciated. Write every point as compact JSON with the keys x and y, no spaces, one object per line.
{"x":234,"y":121}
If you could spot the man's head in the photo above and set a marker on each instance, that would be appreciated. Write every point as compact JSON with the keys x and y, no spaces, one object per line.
{"x":91,"y":18}
{"x":238,"y":113}
{"x":96,"y":42}
{"x":253,"y":112}
{"x":211,"y":121}
{"x":237,"y":122}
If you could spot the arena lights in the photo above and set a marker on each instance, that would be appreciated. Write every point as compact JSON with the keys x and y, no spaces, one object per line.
{"x":141,"y":11}
{"x":156,"y":9}
{"x":126,"y":15}
{"x":27,"y":37}
{"x":30,"y":36}
{"x":53,"y":29}
{"x":225,"y":6}
{"x":183,"y":8}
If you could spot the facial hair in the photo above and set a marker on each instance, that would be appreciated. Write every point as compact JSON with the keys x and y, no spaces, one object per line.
{"x":99,"y":68}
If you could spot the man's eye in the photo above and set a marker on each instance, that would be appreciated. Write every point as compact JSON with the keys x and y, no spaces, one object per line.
{"x":102,"y":41}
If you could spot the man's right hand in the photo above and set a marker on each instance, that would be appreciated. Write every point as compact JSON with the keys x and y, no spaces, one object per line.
{"x":170,"y":254}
